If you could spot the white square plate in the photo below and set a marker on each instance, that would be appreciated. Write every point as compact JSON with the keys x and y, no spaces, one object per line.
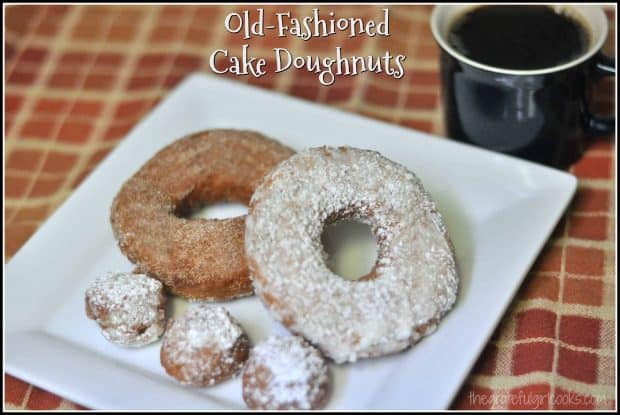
{"x":499,"y":212}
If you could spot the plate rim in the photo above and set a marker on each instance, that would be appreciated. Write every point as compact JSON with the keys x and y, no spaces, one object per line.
{"x":567,"y":179}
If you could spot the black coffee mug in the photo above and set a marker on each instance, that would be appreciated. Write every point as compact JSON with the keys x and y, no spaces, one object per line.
{"x":541,"y":115}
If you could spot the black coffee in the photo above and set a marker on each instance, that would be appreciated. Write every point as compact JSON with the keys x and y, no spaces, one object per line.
{"x":518,"y":37}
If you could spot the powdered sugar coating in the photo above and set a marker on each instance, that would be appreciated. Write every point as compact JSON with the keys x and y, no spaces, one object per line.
{"x":285,"y":373}
{"x":129,"y":308}
{"x":414,"y":282}
{"x":204,"y":346}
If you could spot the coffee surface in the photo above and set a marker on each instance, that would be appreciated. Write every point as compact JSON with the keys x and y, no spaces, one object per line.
{"x":518,"y":37}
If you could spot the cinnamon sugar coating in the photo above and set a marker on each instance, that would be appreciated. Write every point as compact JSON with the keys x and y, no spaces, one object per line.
{"x":195,"y":258}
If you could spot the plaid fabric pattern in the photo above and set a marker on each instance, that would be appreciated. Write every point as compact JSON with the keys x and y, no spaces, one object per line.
{"x":78,"y":78}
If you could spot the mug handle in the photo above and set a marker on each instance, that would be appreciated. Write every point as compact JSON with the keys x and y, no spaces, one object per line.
{"x":603,"y":66}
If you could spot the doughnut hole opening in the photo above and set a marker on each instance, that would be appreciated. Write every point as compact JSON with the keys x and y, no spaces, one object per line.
{"x":218,"y":197}
{"x":351,"y":249}
{"x":218,"y":210}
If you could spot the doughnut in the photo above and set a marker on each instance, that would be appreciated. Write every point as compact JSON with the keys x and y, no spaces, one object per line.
{"x":285,"y":373}
{"x":194,"y":258}
{"x":129,"y":308}
{"x":204,"y":347}
{"x":413,"y":283}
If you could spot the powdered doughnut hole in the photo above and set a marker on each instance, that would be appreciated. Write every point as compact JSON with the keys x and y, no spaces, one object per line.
{"x":129,"y":308}
{"x":204,"y":347}
{"x":285,"y":373}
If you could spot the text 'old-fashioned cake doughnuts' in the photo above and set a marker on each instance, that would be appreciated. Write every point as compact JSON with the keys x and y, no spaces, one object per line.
{"x":413,"y":283}
{"x":195,"y":258}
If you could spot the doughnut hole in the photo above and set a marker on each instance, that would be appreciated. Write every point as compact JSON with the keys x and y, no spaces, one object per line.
{"x":194,"y":207}
{"x":221,"y":198}
{"x":218,"y":210}
{"x":351,"y":249}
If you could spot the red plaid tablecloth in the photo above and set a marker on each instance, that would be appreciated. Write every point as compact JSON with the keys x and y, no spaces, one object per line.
{"x":78,"y":78}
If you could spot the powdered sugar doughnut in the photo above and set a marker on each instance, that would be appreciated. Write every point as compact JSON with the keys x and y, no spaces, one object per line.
{"x":194,"y":258}
{"x":203,"y":347}
{"x":285,"y":373}
{"x":414,"y":281}
{"x":129,"y":308}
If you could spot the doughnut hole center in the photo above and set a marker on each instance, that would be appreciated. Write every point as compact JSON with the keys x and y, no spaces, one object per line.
{"x":351,"y":249}
{"x":218,"y":210}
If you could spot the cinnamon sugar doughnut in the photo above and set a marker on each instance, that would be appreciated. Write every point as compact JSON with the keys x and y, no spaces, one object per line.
{"x":285,"y":373}
{"x":195,"y":258}
{"x":414,"y":281}
{"x":129,"y":308}
{"x":204,"y":347}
